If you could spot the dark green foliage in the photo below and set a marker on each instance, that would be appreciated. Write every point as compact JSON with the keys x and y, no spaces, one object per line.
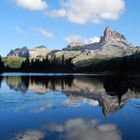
{"x":1,"y":65}
{"x":25,"y":66}
{"x":46,"y":65}
{"x":0,"y":81}
{"x":126,"y":64}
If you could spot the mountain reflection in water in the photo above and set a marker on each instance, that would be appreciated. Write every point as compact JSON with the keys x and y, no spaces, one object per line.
{"x":110,"y":92}
{"x":69,"y":107}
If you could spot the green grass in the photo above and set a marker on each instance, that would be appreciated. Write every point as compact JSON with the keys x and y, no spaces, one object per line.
{"x":13,"y":62}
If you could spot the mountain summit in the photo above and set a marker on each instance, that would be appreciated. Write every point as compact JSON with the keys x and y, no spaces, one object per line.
{"x":111,"y":36}
{"x":111,"y":40}
{"x":112,"y":44}
{"x":114,"y":39}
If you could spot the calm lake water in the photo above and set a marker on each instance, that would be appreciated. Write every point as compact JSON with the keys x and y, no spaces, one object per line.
{"x":69,"y":107}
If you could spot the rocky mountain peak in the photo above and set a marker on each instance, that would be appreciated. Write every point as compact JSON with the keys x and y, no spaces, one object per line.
{"x":107,"y":33}
{"x":111,"y":36}
{"x":110,"y":41}
{"x":107,"y":30}
{"x":40,"y":51}
{"x":112,"y":44}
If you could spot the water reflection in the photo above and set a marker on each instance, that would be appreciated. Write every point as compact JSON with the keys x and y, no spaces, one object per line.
{"x":0,"y":80}
{"x":29,"y":135}
{"x":18,"y":83}
{"x":69,"y":107}
{"x":73,"y":129}
{"x":111,"y":93}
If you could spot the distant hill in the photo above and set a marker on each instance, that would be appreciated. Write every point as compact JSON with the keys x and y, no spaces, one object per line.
{"x":40,"y":51}
{"x":19,"y":52}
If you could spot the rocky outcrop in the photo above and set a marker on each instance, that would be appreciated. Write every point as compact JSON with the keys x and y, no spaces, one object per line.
{"x":39,"y":52}
{"x":111,"y":36}
{"x":73,"y":46}
{"x":20,"y":52}
{"x":114,"y":40}
{"x":110,"y":39}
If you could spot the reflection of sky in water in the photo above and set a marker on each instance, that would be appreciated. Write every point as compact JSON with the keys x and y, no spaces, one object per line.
{"x":65,"y":115}
{"x":73,"y":129}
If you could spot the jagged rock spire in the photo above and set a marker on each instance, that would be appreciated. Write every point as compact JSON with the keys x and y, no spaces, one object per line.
{"x":107,"y":34}
{"x":107,"y":30}
{"x":110,"y":35}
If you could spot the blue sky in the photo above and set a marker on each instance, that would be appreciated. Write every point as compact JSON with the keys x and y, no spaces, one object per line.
{"x":55,"y":23}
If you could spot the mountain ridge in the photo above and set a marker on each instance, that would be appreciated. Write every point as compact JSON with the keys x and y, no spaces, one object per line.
{"x":111,"y":44}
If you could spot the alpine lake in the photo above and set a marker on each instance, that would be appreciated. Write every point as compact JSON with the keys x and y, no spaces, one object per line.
{"x":69,"y":107}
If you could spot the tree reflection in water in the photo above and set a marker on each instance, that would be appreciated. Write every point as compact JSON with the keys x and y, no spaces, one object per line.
{"x":112,"y":92}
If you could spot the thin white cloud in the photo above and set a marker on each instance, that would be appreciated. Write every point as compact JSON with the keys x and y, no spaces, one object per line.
{"x":80,"y":39}
{"x":88,"y":11}
{"x":78,"y":11}
{"x":43,"y":32}
{"x":32,"y":4}
{"x":20,"y":30}
{"x":56,"y":13}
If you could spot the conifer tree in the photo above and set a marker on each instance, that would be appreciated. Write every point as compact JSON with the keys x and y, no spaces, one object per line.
{"x":1,"y":65}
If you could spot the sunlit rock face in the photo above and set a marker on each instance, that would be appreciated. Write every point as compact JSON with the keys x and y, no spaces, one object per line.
{"x":73,"y":46}
{"x":110,"y":35}
{"x":110,"y":39}
{"x":116,"y":42}
{"x":39,"y":52}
